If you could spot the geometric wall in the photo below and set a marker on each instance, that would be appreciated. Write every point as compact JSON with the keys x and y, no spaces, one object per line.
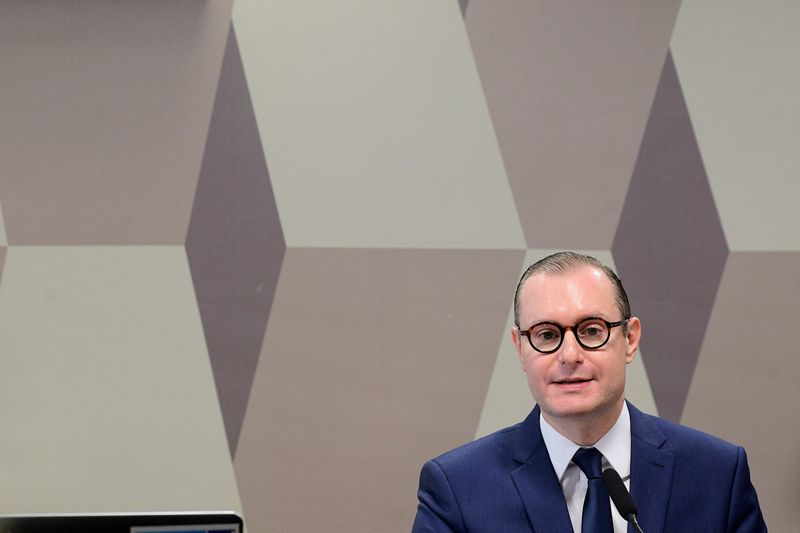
{"x":107,"y":397}
{"x":261,"y":256}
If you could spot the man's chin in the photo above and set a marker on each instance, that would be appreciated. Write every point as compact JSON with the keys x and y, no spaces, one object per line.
{"x":579,"y":408}
{"x":573,"y":408}
{"x":573,"y":412}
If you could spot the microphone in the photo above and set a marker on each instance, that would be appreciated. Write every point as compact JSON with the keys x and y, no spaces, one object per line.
{"x":621,"y":497}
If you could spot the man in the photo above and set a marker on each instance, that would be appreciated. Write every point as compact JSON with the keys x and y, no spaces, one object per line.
{"x":574,"y":334}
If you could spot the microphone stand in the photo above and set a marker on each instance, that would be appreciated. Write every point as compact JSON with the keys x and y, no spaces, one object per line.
{"x":632,"y":519}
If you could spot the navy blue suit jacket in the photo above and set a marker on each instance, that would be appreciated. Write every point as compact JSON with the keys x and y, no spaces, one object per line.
{"x":682,"y":481}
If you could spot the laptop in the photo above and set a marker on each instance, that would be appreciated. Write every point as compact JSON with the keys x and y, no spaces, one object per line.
{"x":188,"y":522}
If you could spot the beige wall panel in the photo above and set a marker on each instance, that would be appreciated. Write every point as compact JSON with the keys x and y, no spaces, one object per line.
{"x":570,"y":85}
{"x":745,"y":384}
{"x":105,"y":108}
{"x":509,"y":400}
{"x":373,"y":362}
{"x":106,"y":393}
{"x":374,"y":125}
{"x":737,"y":62}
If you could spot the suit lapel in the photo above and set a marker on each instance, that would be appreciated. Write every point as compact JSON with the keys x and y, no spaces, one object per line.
{"x":651,"y":472}
{"x":540,"y":490}
{"x":536,"y":480}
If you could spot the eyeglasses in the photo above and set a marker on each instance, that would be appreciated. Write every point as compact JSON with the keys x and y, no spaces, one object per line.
{"x":591,"y":333}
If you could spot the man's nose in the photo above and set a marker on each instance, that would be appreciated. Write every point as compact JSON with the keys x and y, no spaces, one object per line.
{"x":570,"y":352}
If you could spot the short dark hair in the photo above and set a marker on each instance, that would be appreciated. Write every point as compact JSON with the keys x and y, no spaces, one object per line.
{"x":563,"y":262}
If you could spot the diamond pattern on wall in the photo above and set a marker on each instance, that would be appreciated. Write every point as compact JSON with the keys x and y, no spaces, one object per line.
{"x":372,"y":361}
{"x":737,"y":63}
{"x":106,"y":392}
{"x":669,"y":247}
{"x":744,"y":387}
{"x":104,"y":116}
{"x":235,"y":245}
{"x":361,"y":155}
{"x":402,"y":139}
{"x":569,"y":91}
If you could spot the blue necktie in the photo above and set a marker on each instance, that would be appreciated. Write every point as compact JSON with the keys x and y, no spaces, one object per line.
{"x":596,"y":506}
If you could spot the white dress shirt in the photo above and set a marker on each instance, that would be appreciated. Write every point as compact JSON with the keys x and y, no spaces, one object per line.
{"x":616,"y":449}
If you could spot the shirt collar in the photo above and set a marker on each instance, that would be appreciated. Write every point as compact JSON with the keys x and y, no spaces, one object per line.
{"x":614,"y":445}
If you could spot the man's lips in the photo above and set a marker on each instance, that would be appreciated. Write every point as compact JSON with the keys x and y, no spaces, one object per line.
{"x":572,"y":383}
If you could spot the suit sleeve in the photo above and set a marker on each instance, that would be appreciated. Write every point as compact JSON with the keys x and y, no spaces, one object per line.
{"x":744,"y":515}
{"x":438,"y":510}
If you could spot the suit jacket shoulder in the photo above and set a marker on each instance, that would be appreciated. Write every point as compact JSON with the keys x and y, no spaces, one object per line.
{"x":501,"y":482}
{"x":687,"y":480}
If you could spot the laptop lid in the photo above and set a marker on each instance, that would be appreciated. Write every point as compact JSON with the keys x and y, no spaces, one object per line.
{"x":189,"y":522}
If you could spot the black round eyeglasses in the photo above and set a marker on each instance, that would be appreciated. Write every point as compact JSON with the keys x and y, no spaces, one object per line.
{"x":591,"y":333}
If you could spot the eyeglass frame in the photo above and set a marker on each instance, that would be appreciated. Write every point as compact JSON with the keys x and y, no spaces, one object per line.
{"x":563,"y":332}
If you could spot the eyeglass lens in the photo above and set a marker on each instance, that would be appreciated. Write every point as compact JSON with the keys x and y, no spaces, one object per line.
{"x":590,"y":333}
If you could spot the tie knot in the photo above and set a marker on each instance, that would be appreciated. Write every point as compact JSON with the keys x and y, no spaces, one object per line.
{"x":588,"y":460}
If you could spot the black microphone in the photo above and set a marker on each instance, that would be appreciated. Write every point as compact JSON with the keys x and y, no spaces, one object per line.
{"x":621,"y":497}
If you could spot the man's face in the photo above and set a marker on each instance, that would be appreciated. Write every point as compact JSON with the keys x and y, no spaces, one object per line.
{"x":574,"y":383}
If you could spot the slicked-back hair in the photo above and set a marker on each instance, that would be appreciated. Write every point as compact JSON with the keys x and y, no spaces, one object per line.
{"x":564,"y":262}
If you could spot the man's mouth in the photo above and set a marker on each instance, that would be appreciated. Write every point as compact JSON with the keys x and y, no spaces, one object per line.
{"x":572,"y":383}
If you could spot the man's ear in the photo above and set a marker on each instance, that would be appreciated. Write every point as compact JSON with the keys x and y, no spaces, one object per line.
{"x":517,"y":338}
{"x":633,"y":337}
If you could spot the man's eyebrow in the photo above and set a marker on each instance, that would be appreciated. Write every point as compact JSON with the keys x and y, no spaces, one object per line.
{"x":603,"y":316}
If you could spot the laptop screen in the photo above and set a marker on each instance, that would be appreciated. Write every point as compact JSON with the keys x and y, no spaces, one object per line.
{"x":221,"y":522}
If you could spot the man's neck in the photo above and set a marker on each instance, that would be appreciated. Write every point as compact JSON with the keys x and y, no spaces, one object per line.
{"x":586,"y":430}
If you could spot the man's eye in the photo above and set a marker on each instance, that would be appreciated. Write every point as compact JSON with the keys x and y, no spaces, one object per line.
{"x":592,"y":330}
{"x":547,"y":335}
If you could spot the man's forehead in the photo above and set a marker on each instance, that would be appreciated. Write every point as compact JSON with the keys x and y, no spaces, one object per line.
{"x":583,"y":284}
{"x":585,"y":274}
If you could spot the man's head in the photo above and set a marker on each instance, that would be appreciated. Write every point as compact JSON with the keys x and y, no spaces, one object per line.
{"x":562,"y":262}
{"x":576,"y":384}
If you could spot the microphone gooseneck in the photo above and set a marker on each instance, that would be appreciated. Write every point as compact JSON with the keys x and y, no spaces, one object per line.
{"x":621,"y":497}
